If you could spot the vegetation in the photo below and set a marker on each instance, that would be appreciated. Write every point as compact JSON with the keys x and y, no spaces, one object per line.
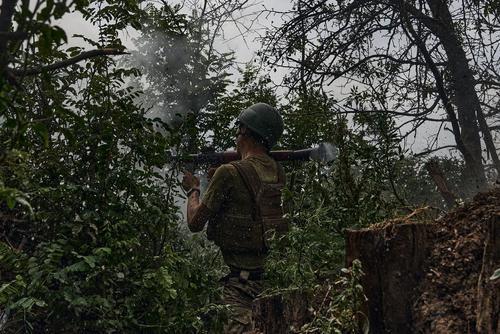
{"x":92,"y":237}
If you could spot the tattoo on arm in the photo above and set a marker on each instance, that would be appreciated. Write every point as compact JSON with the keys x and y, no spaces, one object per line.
{"x":197,"y":213}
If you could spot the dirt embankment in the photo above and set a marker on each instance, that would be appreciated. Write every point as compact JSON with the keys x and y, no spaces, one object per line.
{"x":447,"y":297}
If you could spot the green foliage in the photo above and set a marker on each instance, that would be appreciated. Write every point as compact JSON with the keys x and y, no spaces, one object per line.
{"x":323,"y":201}
{"x":104,"y":235}
{"x":91,"y":239}
{"x":309,"y":120}
{"x":414,"y":184}
{"x":496,"y":275}
{"x":89,"y":213}
{"x":339,"y":310}
{"x":251,"y":88}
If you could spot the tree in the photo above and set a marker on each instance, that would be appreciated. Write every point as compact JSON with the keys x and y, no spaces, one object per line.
{"x":89,"y":227}
{"x":183,"y":73}
{"x":405,"y":58}
{"x":252,"y":87}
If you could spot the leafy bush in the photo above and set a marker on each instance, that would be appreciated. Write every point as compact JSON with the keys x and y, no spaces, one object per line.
{"x":322,"y":201}
{"x":338,"y":312}
{"x":102,"y":250}
{"x":89,"y":216}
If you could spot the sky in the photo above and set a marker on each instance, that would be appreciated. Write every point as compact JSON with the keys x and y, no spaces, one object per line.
{"x":245,"y":49}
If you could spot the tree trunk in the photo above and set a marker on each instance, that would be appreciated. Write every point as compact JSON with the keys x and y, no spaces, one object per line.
{"x":392,"y":258}
{"x":439,"y":179}
{"x":281,"y":314}
{"x":488,"y":292}
{"x":7,"y":9}
{"x":464,"y":94}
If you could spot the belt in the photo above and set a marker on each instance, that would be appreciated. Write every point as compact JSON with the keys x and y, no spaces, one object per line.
{"x":246,"y":275}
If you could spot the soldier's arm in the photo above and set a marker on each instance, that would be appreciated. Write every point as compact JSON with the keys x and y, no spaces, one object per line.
{"x":197,"y":213}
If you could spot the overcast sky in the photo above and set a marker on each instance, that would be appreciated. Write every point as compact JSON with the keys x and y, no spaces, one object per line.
{"x":245,"y":48}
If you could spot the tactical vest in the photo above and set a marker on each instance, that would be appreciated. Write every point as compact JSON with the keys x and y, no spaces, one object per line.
{"x":251,"y":233}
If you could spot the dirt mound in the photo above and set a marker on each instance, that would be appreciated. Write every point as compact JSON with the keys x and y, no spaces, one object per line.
{"x":447,"y":294}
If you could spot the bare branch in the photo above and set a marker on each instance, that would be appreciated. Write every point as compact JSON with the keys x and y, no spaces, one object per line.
{"x":427,"y":152}
{"x":67,"y":62}
{"x":351,"y":110}
{"x":17,"y":35}
{"x":430,"y":22}
{"x":439,"y":84}
{"x":338,"y":74}
{"x":488,"y":83}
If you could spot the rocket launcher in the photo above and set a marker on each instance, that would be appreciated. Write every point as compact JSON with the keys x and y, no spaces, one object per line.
{"x":325,"y":152}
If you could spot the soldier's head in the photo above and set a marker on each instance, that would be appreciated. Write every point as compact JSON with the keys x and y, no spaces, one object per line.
{"x":259,"y":124}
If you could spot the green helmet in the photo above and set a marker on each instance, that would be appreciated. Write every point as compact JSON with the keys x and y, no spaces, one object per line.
{"x":264,"y":120}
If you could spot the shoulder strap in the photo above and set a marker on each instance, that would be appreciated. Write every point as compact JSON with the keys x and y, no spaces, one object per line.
{"x":250,"y":177}
{"x":281,"y":173}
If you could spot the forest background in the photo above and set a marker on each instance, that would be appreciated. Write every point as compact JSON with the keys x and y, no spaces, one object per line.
{"x":92,"y":235}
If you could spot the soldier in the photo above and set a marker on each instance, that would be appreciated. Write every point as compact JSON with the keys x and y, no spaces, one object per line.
{"x":242,"y":205}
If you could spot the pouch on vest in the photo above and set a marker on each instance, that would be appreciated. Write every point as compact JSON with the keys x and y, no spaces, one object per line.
{"x":247,"y":233}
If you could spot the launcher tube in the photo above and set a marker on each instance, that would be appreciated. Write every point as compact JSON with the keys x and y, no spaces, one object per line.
{"x":228,"y":156}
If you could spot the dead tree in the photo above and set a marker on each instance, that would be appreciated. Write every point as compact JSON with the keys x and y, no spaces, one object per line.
{"x":392,"y":257}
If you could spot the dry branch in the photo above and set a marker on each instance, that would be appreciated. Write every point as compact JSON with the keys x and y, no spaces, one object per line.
{"x":439,"y":179}
{"x":67,"y":62}
{"x":15,"y":35}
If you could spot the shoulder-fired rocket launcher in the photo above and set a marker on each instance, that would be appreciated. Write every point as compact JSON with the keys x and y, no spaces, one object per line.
{"x":325,"y":152}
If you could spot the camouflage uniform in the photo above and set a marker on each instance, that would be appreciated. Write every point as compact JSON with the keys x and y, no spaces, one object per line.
{"x":228,"y":193}
{"x":240,"y":295}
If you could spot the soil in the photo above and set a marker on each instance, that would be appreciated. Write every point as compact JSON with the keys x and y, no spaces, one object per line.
{"x":447,"y":293}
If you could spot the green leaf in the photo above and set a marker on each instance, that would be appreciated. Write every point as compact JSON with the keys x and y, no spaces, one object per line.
{"x":496,"y":275}
{"x":10,"y":123}
{"x":24,"y":202}
{"x":42,"y":131}
{"x":102,"y":251}
{"x":26,"y":303}
{"x":77,"y":267}
{"x":11,"y":202}
{"x":90,"y":260}
{"x":40,"y":303}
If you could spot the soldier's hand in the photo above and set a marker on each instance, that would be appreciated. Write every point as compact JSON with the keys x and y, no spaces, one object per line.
{"x":211,"y":172}
{"x":190,"y":181}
